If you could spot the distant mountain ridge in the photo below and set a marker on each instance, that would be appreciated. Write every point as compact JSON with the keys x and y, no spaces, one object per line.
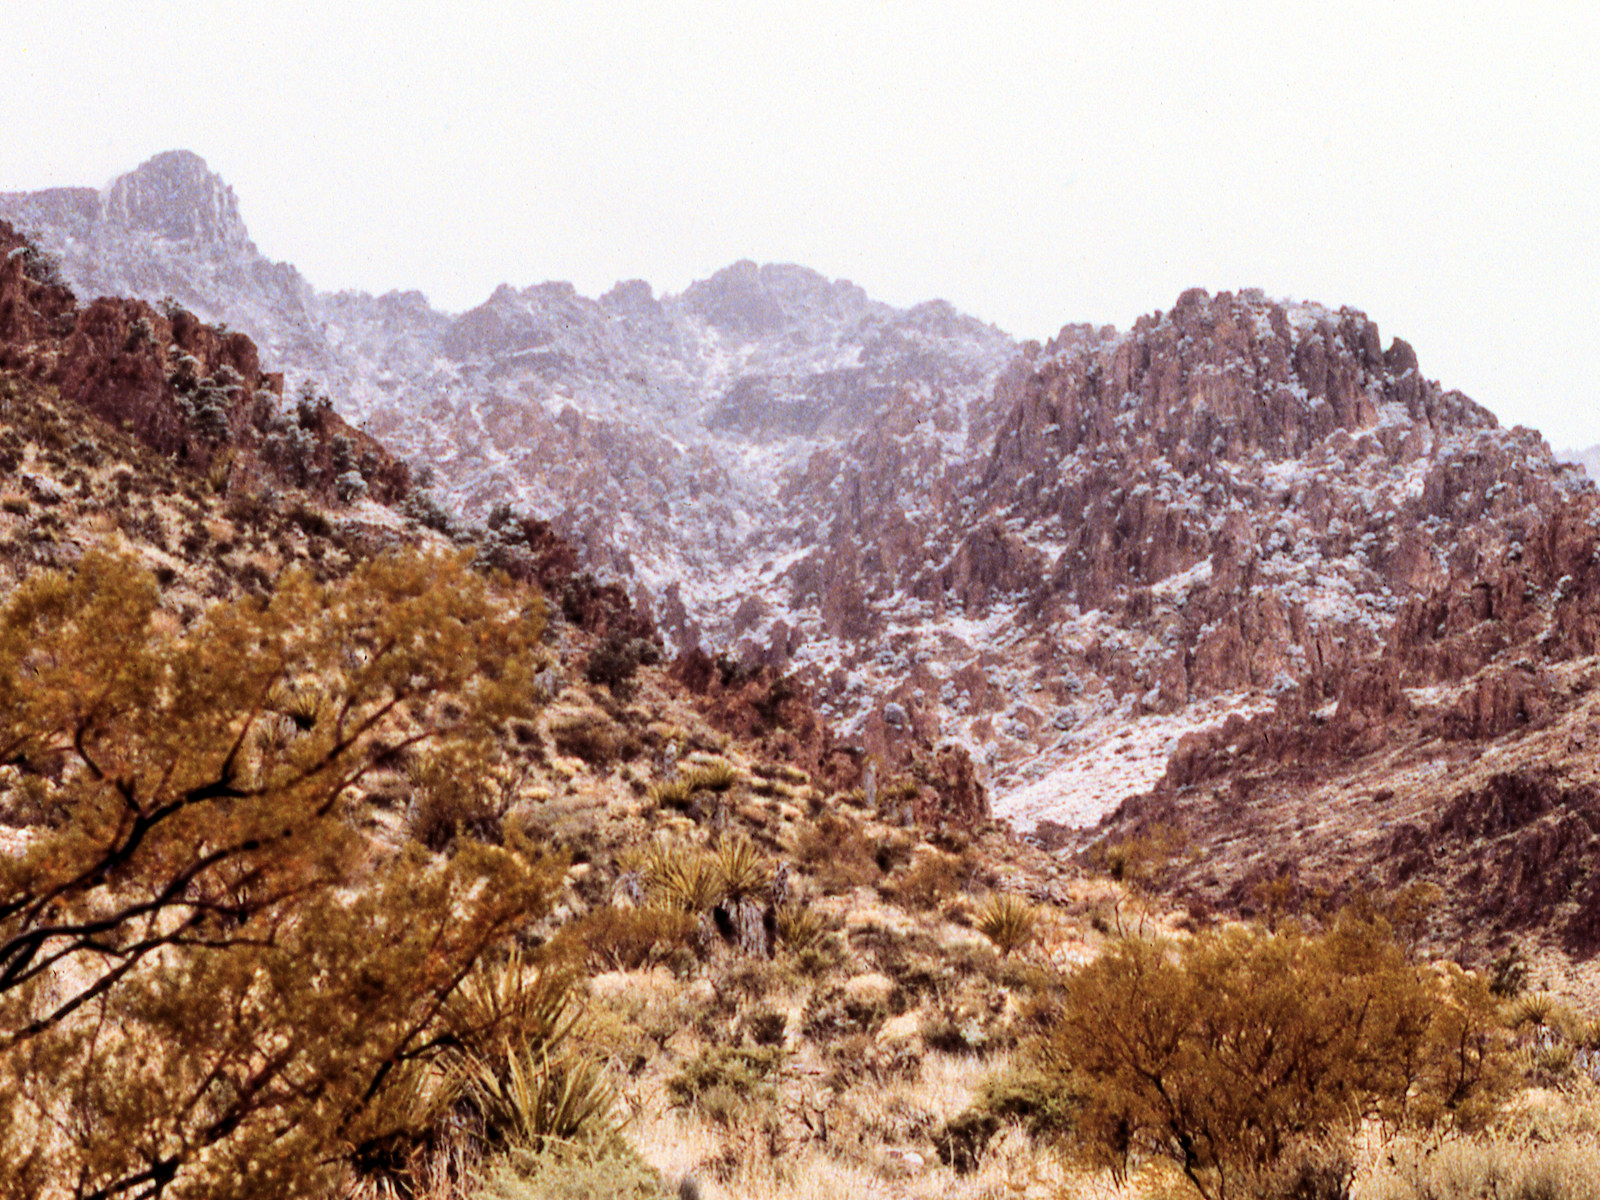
{"x":1588,"y":459}
{"x":1063,"y":557}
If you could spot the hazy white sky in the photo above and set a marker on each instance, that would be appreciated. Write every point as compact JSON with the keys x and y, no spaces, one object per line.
{"x":1436,"y":165}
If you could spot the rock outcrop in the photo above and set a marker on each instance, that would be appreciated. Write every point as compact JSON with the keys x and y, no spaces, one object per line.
{"x":1063,"y":557}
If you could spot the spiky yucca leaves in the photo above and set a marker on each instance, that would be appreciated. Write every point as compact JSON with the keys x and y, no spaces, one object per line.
{"x":194,"y":998}
{"x":530,"y":1097}
{"x":1535,"y":1009}
{"x":693,"y":879}
{"x":717,"y":775}
{"x":515,"y":1025}
{"x":743,"y":872}
{"x":507,"y":1004}
{"x":681,"y":877}
{"x":799,"y":927}
{"x":672,"y":793}
{"x":1008,"y":921}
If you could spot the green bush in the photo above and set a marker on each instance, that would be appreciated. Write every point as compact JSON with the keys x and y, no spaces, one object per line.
{"x":611,"y":1171}
{"x":1023,"y":1095}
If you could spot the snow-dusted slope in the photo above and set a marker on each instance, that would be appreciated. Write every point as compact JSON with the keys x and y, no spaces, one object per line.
{"x":1063,"y":557}
{"x":1588,"y":459}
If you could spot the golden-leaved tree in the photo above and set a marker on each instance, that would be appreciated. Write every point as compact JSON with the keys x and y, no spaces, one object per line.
{"x":1226,"y":1052}
{"x":213,"y":973}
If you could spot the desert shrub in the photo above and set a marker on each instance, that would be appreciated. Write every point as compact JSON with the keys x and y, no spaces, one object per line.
{"x":1008,"y":921}
{"x":17,"y":506}
{"x":837,"y":853}
{"x":273,"y":977}
{"x":1143,"y":859}
{"x":617,"y":658}
{"x":630,"y":939}
{"x":447,"y":805}
{"x":799,"y":926}
{"x":310,"y":521}
{"x":1311,"y":1170}
{"x":349,"y":486}
{"x":675,"y":794}
{"x":248,"y":508}
{"x":723,"y":1081}
{"x":611,"y":1170}
{"x":1024,"y":1096}
{"x":955,"y":1029}
{"x":589,"y":735}
{"x":766,"y":1027}
{"x":1463,"y":1169}
{"x":932,"y":878}
{"x":1222,"y":1051}
{"x":714,"y":775}
{"x":426,"y":511}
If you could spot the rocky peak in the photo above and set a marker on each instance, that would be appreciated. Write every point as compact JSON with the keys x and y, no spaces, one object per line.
{"x":177,"y":197}
{"x":1030,"y":553}
{"x":750,"y":301}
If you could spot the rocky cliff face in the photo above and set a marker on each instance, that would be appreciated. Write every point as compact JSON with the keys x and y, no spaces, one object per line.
{"x":1063,"y":557}
{"x":1460,"y":752}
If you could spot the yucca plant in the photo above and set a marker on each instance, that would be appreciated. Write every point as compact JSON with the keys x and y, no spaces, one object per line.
{"x":1538,"y":1009}
{"x":743,"y":872}
{"x":506,"y":1004}
{"x":717,"y":775}
{"x":672,"y":793}
{"x":302,"y":702}
{"x":682,"y":877}
{"x":529,"y":1098}
{"x":1008,"y":921}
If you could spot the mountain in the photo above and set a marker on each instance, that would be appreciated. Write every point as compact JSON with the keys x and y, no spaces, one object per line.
{"x":1064,"y":558}
{"x":1588,"y":459}
{"x":159,"y":498}
{"x":1312,"y":628}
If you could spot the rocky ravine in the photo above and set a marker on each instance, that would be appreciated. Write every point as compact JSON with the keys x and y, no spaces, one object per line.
{"x":1064,"y":557}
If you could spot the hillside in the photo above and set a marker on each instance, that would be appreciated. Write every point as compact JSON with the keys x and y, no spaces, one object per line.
{"x":1060,"y":559}
{"x":627,"y":756}
{"x":802,"y":966}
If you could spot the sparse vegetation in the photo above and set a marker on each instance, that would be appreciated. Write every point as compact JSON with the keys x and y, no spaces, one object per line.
{"x":759,"y":976}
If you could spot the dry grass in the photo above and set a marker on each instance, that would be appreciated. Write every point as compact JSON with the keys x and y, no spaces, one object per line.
{"x":736,"y":1167}
{"x":1497,"y":1168}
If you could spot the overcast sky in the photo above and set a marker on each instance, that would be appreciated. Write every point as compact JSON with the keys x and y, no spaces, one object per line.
{"x":1435,"y":165}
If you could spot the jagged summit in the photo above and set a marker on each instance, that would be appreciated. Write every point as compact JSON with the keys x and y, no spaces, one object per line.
{"x":1031,"y":550}
{"x":176,"y":196}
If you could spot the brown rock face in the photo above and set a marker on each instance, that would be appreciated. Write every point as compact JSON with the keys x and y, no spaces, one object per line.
{"x":1462,"y":753}
{"x":1279,"y":449}
{"x":33,"y":308}
{"x":186,"y":389}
